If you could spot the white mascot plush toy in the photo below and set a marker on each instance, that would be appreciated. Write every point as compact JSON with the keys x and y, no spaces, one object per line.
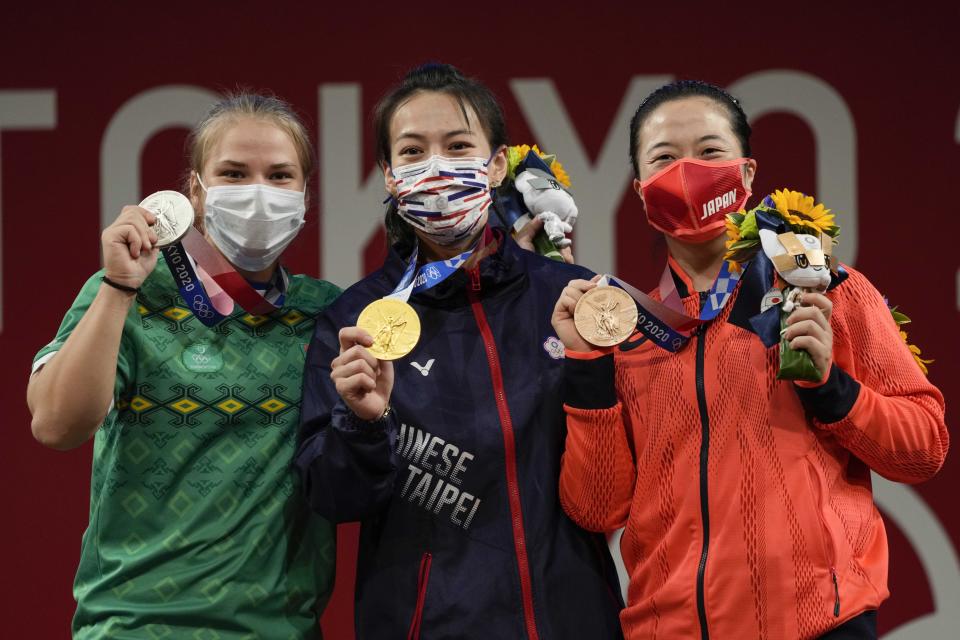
{"x":802,"y":260}
{"x":547,"y":200}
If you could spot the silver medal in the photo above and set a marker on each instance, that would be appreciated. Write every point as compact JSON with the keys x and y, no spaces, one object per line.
{"x":174,"y":215}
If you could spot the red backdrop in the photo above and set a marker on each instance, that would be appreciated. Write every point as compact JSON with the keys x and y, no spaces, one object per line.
{"x":878,"y":131}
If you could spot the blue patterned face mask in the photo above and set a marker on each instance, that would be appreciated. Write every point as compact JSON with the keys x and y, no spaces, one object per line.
{"x":445,"y":198}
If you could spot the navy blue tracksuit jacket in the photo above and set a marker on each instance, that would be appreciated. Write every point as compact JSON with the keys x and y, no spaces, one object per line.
{"x":463,"y":535}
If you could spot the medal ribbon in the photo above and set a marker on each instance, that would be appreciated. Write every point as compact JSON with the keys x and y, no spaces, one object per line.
{"x":252,"y":301}
{"x":211,"y":286}
{"x":664,"y":322}
{"x":431,"y":274}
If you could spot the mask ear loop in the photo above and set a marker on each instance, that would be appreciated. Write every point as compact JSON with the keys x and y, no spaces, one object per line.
{"x":492,"y":187}
{"x":390,"y":199}
{"x":200,"y":214}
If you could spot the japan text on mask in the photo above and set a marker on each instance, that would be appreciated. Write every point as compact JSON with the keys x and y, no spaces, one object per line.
{"x":690,"y":199}
{"x":252,"y":224}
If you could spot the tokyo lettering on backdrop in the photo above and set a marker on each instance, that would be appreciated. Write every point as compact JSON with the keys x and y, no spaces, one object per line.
{"x":601,"y":184}
{"x":114,"y":149}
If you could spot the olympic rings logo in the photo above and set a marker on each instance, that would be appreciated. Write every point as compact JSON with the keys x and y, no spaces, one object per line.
{"x":201,"y":308}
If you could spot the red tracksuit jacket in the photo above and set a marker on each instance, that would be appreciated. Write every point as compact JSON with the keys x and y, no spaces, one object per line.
{"x":746,"y":499}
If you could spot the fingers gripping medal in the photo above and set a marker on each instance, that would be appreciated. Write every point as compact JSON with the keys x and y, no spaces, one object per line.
{"x":174,"y":215}
{"x":173,"y":225}
{"x":605,"y":316}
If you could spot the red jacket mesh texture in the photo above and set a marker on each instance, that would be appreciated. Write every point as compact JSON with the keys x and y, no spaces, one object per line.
{"x":789,"y":498}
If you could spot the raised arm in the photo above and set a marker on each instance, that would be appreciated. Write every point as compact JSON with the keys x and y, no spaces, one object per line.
{"x":347,"y":456}
{"x":73,"y":383}
{"x":597,"y":473}
{"x":876,"y":401}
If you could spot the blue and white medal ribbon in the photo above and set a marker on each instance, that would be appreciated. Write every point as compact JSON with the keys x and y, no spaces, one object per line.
{"x":429,"y":275}
{"x":191,"y":288}
{"x":391,"y":321}
{"x":211,"y":309}
{"x":664,"y":322}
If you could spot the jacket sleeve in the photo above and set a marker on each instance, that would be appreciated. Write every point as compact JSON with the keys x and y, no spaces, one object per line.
{"x":597,"y":471}
{"x":347,"y":466}
{"x":876,"y":401}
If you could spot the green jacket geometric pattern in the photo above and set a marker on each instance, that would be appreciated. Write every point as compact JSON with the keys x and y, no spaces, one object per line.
{"x":197,"y":528}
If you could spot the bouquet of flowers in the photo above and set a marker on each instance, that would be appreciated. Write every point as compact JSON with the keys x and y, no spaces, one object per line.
{"x":796,"y":235}
{"x":536,"y":187}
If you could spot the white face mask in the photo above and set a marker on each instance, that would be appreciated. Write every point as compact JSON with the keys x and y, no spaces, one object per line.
{"x":252,"y":224}
{"x":445,"y":198}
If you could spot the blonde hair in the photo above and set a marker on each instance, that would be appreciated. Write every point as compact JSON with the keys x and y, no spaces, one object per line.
{"x":233,"y":106}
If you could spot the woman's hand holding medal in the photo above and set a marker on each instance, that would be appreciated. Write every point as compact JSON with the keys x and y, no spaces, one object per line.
{"x":364,"y":382}
{"x":129,"y":247}
{"x":563,"y":315}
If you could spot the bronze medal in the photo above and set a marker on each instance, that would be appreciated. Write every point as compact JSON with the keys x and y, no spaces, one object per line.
{"x":605,"y":316}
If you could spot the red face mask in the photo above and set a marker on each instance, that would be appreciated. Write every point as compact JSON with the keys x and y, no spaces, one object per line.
{"x":690,"y":199}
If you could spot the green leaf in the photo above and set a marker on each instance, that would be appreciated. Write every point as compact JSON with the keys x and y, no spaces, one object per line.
{"x":743,"y":244}
{"x":748,"y":229}
{"x":898,"y":317}
{"x":513,"y":159}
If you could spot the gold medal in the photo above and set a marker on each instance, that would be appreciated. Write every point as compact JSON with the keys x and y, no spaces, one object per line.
{"x":605,"y":316}
{"x":394,"y":326}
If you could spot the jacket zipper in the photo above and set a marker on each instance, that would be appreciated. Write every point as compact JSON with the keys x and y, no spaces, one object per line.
{"x":830,"y":553}
{"x":831,"y":557}
{"x":836,"y":593}
{"x":509,"y":447}
{"x":474,"y":279}
{"x":422,"y":578}
{"x":704,"y":459}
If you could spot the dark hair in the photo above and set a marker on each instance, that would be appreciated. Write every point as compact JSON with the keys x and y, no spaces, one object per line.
{"x":686,"y":89}
{"x":441,"y":78}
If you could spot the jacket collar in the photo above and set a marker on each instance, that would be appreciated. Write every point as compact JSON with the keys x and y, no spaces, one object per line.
{"x":757,"y":279}
{"x":501,"y":268}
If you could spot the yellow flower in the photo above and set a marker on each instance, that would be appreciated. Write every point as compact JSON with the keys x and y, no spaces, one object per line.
{"x":799,"y":210}
{"x":733,"y":231}
{"x":517,"y":153}
{"x":915,"y":351}
{"x":733,"y":236}
{"x":524,"y":149}
{"x":560,"y":174}
{"x":735,"y":254}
